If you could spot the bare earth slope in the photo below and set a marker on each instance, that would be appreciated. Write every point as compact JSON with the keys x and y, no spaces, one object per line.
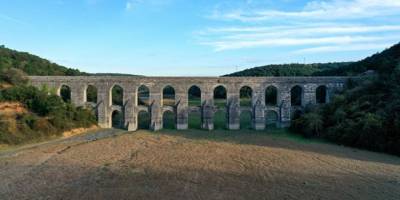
{"x":169,"y":165}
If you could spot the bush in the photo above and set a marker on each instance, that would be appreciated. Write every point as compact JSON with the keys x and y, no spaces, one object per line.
{"x":49,"y":116}
{"x":367,"y":113}
{"x":13,"y":76}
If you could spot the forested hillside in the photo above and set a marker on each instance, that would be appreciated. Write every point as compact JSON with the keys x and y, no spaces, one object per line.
{"x":291,"y":69}
{"x":30,"y":114}
{"x":382,"y":62}
{"x":367,"y":113}
{"x":377,"y":62}
{"x":31,"y":64}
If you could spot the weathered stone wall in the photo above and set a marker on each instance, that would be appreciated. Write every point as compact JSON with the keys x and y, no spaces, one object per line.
{"x":181,"y":85}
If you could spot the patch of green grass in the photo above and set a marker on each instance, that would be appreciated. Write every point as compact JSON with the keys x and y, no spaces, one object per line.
{"x":194,"y":120}
{"x":220,"y":103}
{"x":239,"y":136}
{"x":169,"y":120}
{"x":194,"y":102}
{"x":220,"y":120}
{"x":220,"y":133}
{"x":245,"y":102}
{"x":245,"y":120}
{"x":143,"y":120}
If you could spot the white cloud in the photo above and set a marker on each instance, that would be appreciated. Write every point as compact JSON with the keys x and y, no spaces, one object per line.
{"x":299,"y":30}
{"x":12,"y":19}
{"x":319,"y":26}
{"x":131,"y":4}
{"x":128,"y":5}
{"x":291,"y":41}
{"x":344,"y":48}
{"x":321,"y":10}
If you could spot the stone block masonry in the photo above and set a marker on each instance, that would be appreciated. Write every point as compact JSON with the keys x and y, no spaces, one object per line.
{"x":261,"y":112}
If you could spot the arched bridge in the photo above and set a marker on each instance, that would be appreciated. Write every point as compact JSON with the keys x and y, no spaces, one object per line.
{"x":274,"y":99}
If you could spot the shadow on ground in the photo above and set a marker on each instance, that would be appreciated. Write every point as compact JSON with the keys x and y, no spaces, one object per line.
{"x":282,"y":138}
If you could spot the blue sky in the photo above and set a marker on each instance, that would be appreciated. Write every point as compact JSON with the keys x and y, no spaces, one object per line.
{"x":198,"y":37}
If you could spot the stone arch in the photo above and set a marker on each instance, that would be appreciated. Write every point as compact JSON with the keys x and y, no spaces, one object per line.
{"x":194,"y":111}
{"x":296,"y":95}
{"x":65,"y":92}
{"x":117,"y":95}
{"x":169,"y":119}
{"x":271,"y":118}
{"x":117,"y":119}
{"x":220,"y":96}
{"x":168,"y":96}
{"x":220,"y":101}
{"x":321,"y":94}
{"x":91,"y":94}
{"x":143,"y":119}
{"x":245,"y":119}
{"x":271,"y":96}
{"x":194,"y":96}
{"x":143,"y":96}
{"x":245,"y":96}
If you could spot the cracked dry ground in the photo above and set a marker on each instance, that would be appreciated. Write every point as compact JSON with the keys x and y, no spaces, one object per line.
{"x":144,"y":165}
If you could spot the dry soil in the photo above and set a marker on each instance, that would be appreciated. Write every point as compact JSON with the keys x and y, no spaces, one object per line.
{"x":195,"y":165}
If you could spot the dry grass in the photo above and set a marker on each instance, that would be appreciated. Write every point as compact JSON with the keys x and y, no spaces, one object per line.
{"x":12,"y":108}
{"x":198,"y":165}
{"x":78,"y":131}
{"x":5,"y":86}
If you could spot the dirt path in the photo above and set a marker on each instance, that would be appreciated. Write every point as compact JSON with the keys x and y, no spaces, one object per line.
{"x":145,"y":165}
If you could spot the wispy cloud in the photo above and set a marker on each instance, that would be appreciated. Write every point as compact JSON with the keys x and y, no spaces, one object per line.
{"x":12,"y":19}
{"x":321,"y":10}
{"x":132,"y":4}
{"x":344,"y":48}
{"x":320,"y":26}
{"x":291,"y":41}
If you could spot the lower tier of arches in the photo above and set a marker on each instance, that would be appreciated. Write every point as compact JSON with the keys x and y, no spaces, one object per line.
{"x":197,"y":118}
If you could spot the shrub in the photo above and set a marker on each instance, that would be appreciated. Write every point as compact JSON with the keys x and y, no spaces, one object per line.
{"x":49,"y":116}
{"x":13,"y":76}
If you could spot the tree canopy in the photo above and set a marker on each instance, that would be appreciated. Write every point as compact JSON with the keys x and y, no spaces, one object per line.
{"x":33,"y":65}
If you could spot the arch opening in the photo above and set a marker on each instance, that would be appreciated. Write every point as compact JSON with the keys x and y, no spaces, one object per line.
{"x":272,"y":119}
{"x":117,"y":95}
{"x":168,"y":98}
{"x":271,"y":96}
{"x":169,"y":120}
{"x":220,"y":97}
{"x":321,"y":94}
{"x":246,"y":96}
{"x":194,"y":121}
{"x":194,"y":96}
{"x":143,"y":120}
{"x":220,"y":105}
{"x":117,"y":119}
{"x":91,"y":94}
{"x":143,"y":96}
{"x":65,"y":93}
{"x":220,"y":120}
{"x":194,"y":101}
{"x":296,"y":96}
{"x":245,"y":120}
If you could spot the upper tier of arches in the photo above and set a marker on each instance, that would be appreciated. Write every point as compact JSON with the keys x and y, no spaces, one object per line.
{"x":171,"y":94}
{"x":268,"y":91}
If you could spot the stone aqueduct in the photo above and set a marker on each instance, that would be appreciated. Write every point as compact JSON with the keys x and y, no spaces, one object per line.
{"x":130,"y":107}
